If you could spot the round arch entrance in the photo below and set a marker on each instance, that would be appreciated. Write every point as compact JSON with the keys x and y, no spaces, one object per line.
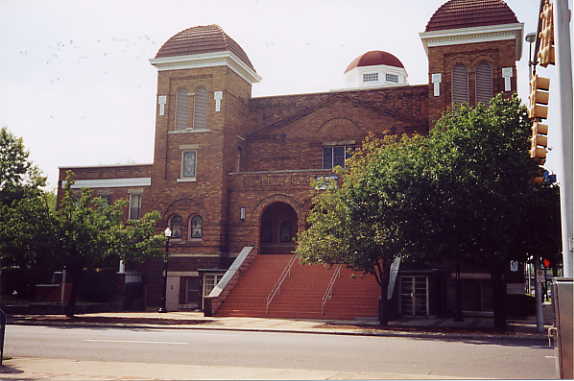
{"x":278,"y":229}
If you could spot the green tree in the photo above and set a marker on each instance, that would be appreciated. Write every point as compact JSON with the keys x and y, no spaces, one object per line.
{"x":357,"y":225}
{"x":83,"y":232}
{"x":483,"y":191}
{"x":461,"y":194}
{"x":20,"y":180}
{"x":19,"y":177}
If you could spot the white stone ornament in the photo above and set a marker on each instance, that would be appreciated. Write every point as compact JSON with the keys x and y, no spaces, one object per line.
{"x":162,"y":101}
{"x":436,"y":80}
{"x":218,"y":96}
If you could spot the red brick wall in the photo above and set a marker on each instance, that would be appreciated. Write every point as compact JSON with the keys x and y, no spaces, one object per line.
{"x":443,"y":58}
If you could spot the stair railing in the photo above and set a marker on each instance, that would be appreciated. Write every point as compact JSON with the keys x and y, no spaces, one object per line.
{"x":275,"y":290}
{"x":329,"y":291}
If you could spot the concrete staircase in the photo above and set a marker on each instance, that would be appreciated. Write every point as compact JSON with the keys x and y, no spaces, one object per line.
{"x":354,"y":295}
{"x":248,"y":297}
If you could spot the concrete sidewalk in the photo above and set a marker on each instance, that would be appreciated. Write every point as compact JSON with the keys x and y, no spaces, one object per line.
{"x":471,"y":327}
{"x":67,"y":370}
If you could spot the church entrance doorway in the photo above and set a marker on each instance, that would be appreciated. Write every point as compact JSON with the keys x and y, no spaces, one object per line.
{"x":278,"y":229}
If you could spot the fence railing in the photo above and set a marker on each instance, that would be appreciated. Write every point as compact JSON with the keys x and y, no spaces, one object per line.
{"x":275,"y":290}
{"x":329,"y":291}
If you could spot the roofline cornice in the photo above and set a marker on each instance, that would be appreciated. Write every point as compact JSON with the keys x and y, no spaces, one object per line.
{"x":476,"y":34}
{"x":212,"y":59}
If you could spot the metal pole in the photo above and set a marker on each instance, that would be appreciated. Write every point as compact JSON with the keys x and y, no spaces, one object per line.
{"x":163,"y":307}
{"x":538,"y":285}
{"x":458,"y":313}
{"x":564,"y":115}
{"x":2,"y":334}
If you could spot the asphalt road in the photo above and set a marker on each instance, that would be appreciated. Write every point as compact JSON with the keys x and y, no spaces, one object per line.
{"x":313,"y":352}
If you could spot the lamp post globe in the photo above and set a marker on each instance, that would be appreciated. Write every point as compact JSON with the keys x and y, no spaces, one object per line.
{"x":167,"y":234}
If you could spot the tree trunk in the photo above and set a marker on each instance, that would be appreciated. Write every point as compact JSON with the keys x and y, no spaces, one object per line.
{"x":384,"y":315}
{"x":499,"y":299}
{"x":75,"y":274}
{"x":384,"y":305}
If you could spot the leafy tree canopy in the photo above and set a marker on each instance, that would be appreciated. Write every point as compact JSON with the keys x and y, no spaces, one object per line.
{"x":462,"y":192}
{"x":18,"y":175}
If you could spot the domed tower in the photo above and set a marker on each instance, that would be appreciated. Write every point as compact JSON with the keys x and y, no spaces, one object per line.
{"x":375,"y":69}
{"x":203,"y":87}
{"x":472,"y":48}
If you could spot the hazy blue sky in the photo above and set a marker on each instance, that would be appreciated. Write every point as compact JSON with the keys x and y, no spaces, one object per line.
{"x":77,"y":85}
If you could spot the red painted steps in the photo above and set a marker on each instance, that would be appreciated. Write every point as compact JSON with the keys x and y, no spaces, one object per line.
{"x":301,"y":294}
{"x":248,"y":296}
{"x":355,"y":295}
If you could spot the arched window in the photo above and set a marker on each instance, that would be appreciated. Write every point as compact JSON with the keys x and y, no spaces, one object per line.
{"x":460,"y":93}
{"x":175,"y":224}
{"x":196,"y":227}
{"x":200,"y":109}
{"x":484,"y":88}
{"x":181,"y":109}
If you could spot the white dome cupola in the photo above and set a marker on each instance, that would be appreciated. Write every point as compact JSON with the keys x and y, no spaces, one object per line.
{"x":375,"y":68}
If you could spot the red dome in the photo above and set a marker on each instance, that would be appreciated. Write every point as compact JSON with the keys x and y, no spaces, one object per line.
{"x":456,"y":14}
{"x":375,"y":57}
{"x":202,"y":39}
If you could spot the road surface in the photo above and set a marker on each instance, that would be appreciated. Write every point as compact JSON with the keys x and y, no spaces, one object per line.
{"x":304,"y":355}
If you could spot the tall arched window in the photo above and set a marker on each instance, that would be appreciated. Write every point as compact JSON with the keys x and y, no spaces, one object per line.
{"x":182,"y":109}
{"x":175,"y":224}
{"x":200,"y":109}
{"x":484,"y":87}
{"x":460,"y":93}
{"x":196,"y":227}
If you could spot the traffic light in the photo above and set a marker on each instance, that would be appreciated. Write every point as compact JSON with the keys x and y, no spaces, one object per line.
{"x":546,"y":55}
{"x":539,"y":95}
{"x":539,"y":141}
{"x":539,"y":176}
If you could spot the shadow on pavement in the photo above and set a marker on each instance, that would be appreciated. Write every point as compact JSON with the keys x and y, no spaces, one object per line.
{"x":113,"y":320}
{"x":6,"y":369}
{"x":509,"y":341}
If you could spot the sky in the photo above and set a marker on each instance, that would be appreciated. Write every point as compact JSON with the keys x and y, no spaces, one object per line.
{"x":76,"y":83}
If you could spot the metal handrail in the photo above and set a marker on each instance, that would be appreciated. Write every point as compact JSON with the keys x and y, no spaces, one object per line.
{"x":275,"y":290}
{"x":329,"y":291}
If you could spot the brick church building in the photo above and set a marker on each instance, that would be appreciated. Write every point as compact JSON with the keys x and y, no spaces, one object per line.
{"x":231,"y":173}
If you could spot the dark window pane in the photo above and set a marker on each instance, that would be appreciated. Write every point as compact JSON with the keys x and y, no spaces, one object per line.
{"x":189,"y":163}
{"x":327,"y":157}
{"x":339,"y":156}
{"x":175,"y":226}
{"x":196,"y":227}
{"x":266,"y":230}
{"x":349,"y":150}
{"x":285,"y":232}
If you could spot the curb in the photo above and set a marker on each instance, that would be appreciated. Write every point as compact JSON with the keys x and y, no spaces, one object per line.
{"x":537,"y":338}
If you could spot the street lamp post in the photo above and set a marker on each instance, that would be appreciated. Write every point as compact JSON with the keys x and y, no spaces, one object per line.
{"x":167,"y":233}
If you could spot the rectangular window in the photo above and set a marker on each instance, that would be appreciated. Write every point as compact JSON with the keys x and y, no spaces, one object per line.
{"x":370,"y":77}
{"x":336,"y":155}
{"x":188,"y":164}
{"x":209,"y":282}
{"x":135,"y":204}
{"x":392,"y":78}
